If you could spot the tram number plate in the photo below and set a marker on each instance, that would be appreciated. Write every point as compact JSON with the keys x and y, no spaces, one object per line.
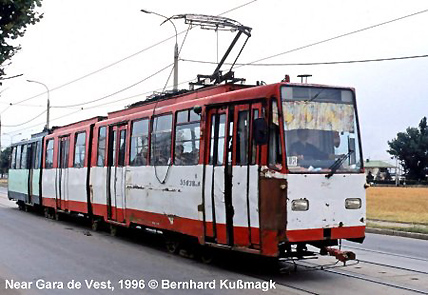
{"x":292,"y":161}
{"x":186,"y":182}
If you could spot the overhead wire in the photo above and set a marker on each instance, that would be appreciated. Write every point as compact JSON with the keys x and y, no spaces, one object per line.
{"x":116,"y":92}
{"x":122,"y":59}
{"x":339,"y":36}
{"x":313,"y":63}
{"x":26,"y":122}
{"x":42,"y":123}
{"x":241,"y":65}
{"x":108,"y":66}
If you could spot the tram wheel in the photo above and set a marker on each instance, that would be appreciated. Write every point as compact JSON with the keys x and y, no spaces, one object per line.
{"x":113,"y":230}
{"x":206,"y":255}
{"x":95,"y":224}
{"x":172,"y":246}
{"x":21,"y":206}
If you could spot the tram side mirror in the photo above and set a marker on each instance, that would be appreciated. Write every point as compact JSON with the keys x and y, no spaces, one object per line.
{"x":197,"y":109}
{"x":260,"y":131}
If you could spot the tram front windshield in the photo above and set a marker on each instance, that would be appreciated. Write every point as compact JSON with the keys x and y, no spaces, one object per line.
{"x":321,"y":132}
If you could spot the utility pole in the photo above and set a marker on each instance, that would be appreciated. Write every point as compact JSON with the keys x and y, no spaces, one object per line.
{"x":48,"y":105}
{"x":175,"y":87}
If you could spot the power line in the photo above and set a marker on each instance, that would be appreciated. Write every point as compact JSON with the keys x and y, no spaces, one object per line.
{"x":17,"y":125}
{"x":42,"y":123}
{"x":313,"y":63}
{"x":116,"y":92}
{"x":340,"y":36}
{"x":121,"y":60}
{"x":238,"y":7}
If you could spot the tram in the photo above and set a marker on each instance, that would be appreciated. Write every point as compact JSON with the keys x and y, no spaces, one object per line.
{"x":263,"y":169}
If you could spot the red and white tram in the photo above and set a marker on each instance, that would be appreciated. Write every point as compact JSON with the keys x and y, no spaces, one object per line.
{"x":262,"y":169}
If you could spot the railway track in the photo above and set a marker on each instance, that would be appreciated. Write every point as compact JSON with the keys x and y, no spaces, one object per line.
{"x":352,"y":273}
{"x":376,"y":281}
{"x":387,"y":253}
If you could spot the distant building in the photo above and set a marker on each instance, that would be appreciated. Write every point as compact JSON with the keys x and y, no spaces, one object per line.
{"x":379,"y":170}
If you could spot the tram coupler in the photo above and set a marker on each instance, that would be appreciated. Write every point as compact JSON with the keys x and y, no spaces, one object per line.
{"x":340,"y":255}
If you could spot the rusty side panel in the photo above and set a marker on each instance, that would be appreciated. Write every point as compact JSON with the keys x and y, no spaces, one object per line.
{"x":273,"y":214}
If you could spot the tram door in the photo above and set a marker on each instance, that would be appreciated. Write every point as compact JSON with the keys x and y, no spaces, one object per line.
{"x":62,"y":173}
{"x":116,"y":173}
{"x":228,"y":200}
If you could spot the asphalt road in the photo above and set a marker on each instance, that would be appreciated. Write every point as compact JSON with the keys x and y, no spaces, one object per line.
{"x":36,"y":252}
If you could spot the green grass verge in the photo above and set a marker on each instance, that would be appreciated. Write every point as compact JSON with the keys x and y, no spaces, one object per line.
{"x":413,"y":229}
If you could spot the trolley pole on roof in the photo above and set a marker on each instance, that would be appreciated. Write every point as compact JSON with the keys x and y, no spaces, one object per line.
{"x":175,"y":87}
{"x":48,"y":104}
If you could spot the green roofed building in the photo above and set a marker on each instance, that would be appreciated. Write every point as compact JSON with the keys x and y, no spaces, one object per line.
{"x":380,"y":170}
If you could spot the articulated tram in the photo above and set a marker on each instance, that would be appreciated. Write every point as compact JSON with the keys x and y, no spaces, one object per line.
{"x":264,"y":169}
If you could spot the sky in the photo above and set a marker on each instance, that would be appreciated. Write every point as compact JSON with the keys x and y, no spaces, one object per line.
{"x":90,"y":50}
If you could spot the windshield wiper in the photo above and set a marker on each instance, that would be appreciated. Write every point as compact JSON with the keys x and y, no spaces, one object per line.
{"x":333,"y":168}
{"x":315,"y":96}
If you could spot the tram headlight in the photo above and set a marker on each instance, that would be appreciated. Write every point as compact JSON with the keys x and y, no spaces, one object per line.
{"x":353,"y":203}
{"x":300,"y":205}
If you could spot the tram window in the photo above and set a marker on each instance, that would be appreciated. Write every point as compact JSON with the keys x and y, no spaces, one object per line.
{"x":18,"y":157}
{"x":13,"y":158}
{"x":254,"y":145}
{"x":161,"y":140}
{"x":122,"y":148}
{"x":275,"y":150}
{"x":183,"y":116}
{"x":63,"y":152}
{"x":24,"y":157}
{"x":36,"y":155}
{"x":217,"y":140}
{"x":49,"y":153}
{"x":101,"y":153}
{"x":139,"y":143}
{"x":79,"y":150}
{"x":187,"y":138}
{"x":193,"y":116}
{"x":242,"y":138}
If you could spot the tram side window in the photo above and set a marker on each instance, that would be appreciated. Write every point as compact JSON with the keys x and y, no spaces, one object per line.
{"x":187,"y":137}
{"x":63,"y":152}
{"x":122,"y":148}
{"x":36,"y":155}
{"x":242,"y":138}
{"x":254,"y":145}
{"x":13,"y":158}
{"x":101,"y":153}
{"x":275,"y":150}
{"x":161,"y":140}
{"x":23,"y":157}
{"x":139,"y":143}
{"x":18,"y":157}
{"x":218,"y":135}
{"x":79,"y":150}
{"x":49,"y":153}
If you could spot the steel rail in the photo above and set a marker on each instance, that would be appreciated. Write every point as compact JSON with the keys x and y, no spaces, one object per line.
{"x":379,"y":282}
{"x":387,"y":253}
{"x":395,"y":267}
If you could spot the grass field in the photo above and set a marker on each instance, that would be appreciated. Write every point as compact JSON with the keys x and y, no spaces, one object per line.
{"x":398,"y":204}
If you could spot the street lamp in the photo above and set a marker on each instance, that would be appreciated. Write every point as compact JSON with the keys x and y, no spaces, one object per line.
{"x":48,"y":102}
{"x":175,"y":87}
{"x":12,"y":136}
